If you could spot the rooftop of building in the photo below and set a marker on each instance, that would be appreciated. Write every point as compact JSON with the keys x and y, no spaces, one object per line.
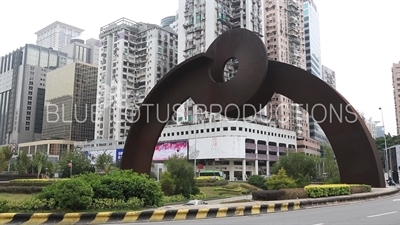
{"x":59,"y":23}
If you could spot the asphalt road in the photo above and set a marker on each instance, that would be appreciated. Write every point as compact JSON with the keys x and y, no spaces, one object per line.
{"x":384,"y":211}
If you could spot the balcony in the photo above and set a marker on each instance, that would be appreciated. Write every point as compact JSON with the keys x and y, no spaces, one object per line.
{"x":251,"y":156}
{"x":273,"y":148}
{"x":282,"y":149}
{"x":261,"y":147}
{"x":273,"y":158}
{"x":250,"y":145}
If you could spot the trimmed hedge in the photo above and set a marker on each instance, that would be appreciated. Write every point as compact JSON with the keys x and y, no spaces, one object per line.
{"x":21,"y":190}
{"x":294,"y":193}
{"x":359,"y":188}
{"x":268,"y":195}
{"x":25,"y":184}
{"x":35,"y":205}
{"x":37,"y":180}
{"x":211,"y":183}
{"x":8,"y":177}
{"x":317,"y":191}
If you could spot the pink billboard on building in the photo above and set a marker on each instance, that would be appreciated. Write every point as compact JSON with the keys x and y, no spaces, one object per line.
{"x":167,"y":149}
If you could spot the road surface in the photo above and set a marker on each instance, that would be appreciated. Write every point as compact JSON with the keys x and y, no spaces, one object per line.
{"x":383,"y":211}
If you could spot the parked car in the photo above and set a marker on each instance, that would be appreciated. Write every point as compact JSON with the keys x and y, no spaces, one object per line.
{"x":196,"y":202}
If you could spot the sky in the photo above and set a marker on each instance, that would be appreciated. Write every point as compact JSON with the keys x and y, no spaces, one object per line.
{"x":360,"y":39}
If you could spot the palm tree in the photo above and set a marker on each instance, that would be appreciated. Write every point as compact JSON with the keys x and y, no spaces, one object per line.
{"x":23,"y":163}
{"x":104,"y":162}
{"x":5,"y":156}
{"x":39,"y":160}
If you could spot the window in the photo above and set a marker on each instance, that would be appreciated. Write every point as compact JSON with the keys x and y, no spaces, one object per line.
{"x":30,"y":88}
{"x":26,"y":128}
{"x":28,"y":118}
{"x":30,"y":93}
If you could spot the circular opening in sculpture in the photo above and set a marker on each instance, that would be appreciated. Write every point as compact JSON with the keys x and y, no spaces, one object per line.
{"x":230,"y":69}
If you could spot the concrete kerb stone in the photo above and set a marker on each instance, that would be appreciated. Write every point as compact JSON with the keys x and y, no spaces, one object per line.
{"x":178,"y":214}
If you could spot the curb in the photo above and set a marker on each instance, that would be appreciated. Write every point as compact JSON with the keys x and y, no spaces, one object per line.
{"x":144,"y":216}
{"x":172,"y":215}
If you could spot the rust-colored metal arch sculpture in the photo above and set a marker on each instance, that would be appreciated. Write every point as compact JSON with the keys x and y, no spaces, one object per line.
{"x":257,"y":79}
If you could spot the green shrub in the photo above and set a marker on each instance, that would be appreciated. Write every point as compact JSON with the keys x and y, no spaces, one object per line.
{"x":294,"y":193}
{"x":27,"y":205}
{"x":317,"y":191}
{"x":181,"y":198}
{"x":267,"y":195}
{"x":359,"y":188}
{"x":35,"y":180}
{"x":116,"y":204}
{"x":258,"y":181}
{"x":25,"y":184}
{"x":167,"y":184}
{"x":21,"y":190}
{"x":280,"y":181}
{"x":125,"y":184}
{"x":72,"y":194}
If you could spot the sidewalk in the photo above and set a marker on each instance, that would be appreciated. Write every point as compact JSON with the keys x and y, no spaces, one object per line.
{"x":375,"y":192}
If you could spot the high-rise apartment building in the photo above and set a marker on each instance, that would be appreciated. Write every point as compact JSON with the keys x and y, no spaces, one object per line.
{"x":22,"y":90}
{"x":57,"y":35}
{"x":200,"y":22}
{"x":70,"y":102}
{"x":312,"y":38}
{"x":133,"y":57}
{"x":329,"y":76}
{"x":79,"y":51}
{"x":396,"y":92}
{"x":284,"y":38}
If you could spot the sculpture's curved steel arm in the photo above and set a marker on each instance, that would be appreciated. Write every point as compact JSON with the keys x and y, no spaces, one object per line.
{"x":353,"y":145}
{"x":201,"y":78}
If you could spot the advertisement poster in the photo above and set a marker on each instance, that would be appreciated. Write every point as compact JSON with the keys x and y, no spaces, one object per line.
{"x":163,"y":150}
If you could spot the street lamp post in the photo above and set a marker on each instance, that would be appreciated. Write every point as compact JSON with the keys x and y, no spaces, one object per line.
{"x":384,"y":138}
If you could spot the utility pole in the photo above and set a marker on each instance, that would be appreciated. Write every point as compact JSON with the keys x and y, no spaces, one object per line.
{"x":385,"y":151}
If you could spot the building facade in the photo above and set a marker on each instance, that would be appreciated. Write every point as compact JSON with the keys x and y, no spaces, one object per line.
{"x":200,"y":22}
{"x":259,"y":148}
{"x":70,"y":103}
{"x":133,"y":57}
{"x":57,"y":35}
{"x":396,"y":92}
{"x":22,"y":91}
{"x":167,"y":21}
{"x":379,"y":131}
{"x":54,"y":149}
{"x":371,"y":125}
{"x":312,"y":38}
{"x":329,"y":76}
{"x":285,"y":41}
{"x":79,"y":51}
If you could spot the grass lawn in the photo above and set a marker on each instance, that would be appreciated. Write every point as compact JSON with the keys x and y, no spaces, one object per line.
{"x":8,"y":196}
{"x":230,"y":190}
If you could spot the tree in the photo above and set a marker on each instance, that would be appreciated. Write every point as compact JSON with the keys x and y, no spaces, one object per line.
{"x":51,"y":168}
{"x":280,"y":180}
{"x":182,"y":173}
{"x":80,"y":163}
{"x":299,"y":166}
{"x":24,"y":163}
{"x":39,"y":160}
{"x":380,"y":145}
{"x":104,"y":162}
{"x":331,"y":167}
{"x":167,"y":183}
{"x":5,"y":156}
